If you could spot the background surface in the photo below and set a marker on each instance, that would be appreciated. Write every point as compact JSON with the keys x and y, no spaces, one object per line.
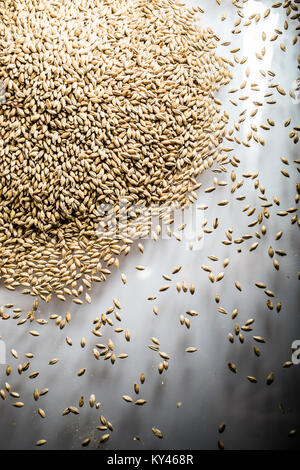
{"x":209,"y":392}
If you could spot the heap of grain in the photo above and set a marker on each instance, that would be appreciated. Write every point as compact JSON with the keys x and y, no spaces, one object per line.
{"x":103,"y":100}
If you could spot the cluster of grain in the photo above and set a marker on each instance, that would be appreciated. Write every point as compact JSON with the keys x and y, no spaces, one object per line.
{"x":103,"y":100}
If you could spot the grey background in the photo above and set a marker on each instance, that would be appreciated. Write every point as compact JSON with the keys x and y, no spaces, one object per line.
{"x":209,"y":392}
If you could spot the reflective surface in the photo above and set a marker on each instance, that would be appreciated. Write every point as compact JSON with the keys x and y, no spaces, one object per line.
{"x":210,"y":393}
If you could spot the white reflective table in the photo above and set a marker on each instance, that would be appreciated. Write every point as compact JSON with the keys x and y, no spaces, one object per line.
{"x":209,"y":392}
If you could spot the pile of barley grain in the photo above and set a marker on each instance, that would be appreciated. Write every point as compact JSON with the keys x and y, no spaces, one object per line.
{"x":104,"y":100}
